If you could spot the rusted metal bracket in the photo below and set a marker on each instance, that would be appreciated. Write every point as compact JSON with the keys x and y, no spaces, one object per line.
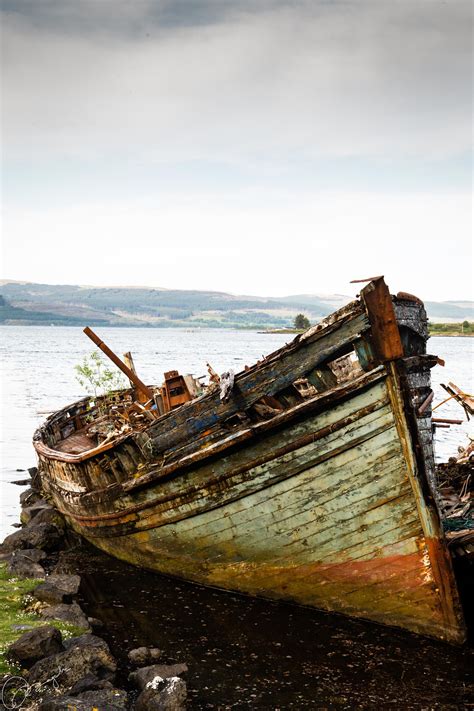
{"x":385,"y":334}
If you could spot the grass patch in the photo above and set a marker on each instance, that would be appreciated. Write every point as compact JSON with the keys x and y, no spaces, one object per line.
{"x":466,"y":328}
{"x":15,"y":599}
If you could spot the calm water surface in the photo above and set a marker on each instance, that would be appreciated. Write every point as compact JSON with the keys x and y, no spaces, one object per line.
{"x":242,"y":653}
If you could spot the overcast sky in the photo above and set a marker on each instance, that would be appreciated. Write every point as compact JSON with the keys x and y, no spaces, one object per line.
{"x":263,"y":148}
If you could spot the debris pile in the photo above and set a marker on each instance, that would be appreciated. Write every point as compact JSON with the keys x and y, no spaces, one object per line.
{"x":456,"y":488}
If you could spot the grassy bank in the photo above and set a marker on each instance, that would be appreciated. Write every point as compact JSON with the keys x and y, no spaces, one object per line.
{"x":451,"y":329}
{"x":435,"y":329}
{"x":17,"y":614}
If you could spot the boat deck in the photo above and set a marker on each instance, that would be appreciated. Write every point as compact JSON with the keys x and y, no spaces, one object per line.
{"x":76,"y":443}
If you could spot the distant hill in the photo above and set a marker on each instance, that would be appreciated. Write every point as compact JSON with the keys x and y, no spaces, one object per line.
{"x":29,"y":303}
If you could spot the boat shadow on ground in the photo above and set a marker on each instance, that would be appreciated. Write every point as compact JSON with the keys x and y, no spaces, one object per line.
{"x":246,"y":652}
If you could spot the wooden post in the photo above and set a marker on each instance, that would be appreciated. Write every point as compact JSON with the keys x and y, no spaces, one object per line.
{"x":129,"y":362}
{"x":141,"y":396}
{"x":115,"y":359}
{"x":385,"y":334}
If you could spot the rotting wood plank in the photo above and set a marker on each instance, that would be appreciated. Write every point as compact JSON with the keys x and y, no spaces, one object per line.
{"x":304,"y":458}
{"x":385,"y":336}
{"x":362,"y":522}
{"x":310,"y":487}
{"x":290,"y":510}
{"x":176,"y":491}
{"x":365,"y":395}
{"x":356,"y":544}
{"x":156,"y":518}
{"x":320,"y":403}
{"x":294,"y":537}
{"x":303,"y":503}
{"x":236,"y":522}
{"x":249,"y":386}
{"x":193,"y":505}
{"x":440,"y":561}
{"x":246,"y":459}
{"x":333,"y":573}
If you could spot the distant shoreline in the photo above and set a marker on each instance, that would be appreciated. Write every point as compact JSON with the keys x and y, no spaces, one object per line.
{"x":451,"y":335}
{"x":190,"y":327}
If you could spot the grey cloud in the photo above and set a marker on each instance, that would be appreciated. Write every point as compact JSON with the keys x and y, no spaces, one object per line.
{"x":128,"y":19}
{"x":228,"y":82}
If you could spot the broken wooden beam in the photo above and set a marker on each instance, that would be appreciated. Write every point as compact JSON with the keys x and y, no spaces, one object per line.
{"x":120,"y":364}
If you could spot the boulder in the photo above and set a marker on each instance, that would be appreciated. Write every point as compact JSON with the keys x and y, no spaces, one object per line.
{"x":85,"y":655}
{"x":29,"y":512}
{"x":89,"y":683}
{"x":48,"y":514}
{"x":163,"y":695}
{"x":114,"y":702}
{"x":42,"y":512}
{"x":35,"y":535}
{"x":63,"y":703}
{"x":143,"y":676}
{"x":105,"y":699}
{"x":35,"y":478}
{"x":57,"y":588}
{"x":23,"y":567}
{"x":95,"y":623}
{"x":30,"y":497}
{"x":36,"y":644}
{"x":144,"y":656}
{"x":33,"y":555}
{"x":72,"y":614}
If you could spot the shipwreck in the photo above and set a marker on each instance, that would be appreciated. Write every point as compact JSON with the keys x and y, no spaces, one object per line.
{"x":308,"y":477}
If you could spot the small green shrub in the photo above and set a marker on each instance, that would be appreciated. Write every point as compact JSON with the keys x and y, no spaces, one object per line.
{"x":96,"y":377}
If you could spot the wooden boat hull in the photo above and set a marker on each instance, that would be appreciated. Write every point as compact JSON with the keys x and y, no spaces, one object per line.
{"x":337,"y":522}
{"x":328,"y":504}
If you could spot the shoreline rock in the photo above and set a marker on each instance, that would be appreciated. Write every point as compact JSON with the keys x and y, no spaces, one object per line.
{"x":57,"y":588}
{"x":142,"y":677}
{"x":71,"y":613}
{"x":84,"y":655}
{"x":80,"y":672}
{"x":144,"y":656}
{"x":36,"y":644}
